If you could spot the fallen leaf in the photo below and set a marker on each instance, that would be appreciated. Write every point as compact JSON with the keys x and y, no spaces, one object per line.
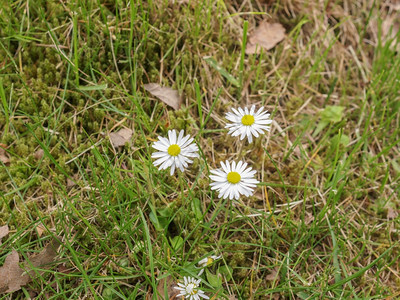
{"x":119,"y":138}
{"x":38,"y":154}
{"x":70,"y":183}
{"x":394,"y":4}
{"x":167,"y":283}
{"x":3,"y":155}
{"x":165,"y":94}
{"x":13,"y":277}
{"x":267,"y":36}
{"x":308,"y":218}
{"x":10,"y":274}
{"x":40,"y":229}
{"x":3,"y":232}
{"x":391,"y":213}
{"x":273,"y":275}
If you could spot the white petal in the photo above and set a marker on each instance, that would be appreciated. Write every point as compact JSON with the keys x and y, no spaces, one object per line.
{"x":217,"y":178}
{"x":225,"y":168}
{"x":180,"y":137}
{"x":237,"y":112}
{"x":258,"y":111}
{"x":161,"y":160}
{"x":159,"y":154}
{"x":159,"y":146}
{"x":164,"y":141}
{"x":172,"y":136}
{"x":187,"y":142}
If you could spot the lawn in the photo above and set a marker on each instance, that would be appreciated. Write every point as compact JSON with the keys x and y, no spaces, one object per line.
{"x":85,"y":213}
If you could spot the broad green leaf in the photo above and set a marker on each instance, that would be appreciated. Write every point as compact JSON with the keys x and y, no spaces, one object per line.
{"x":340,"y":140}
{"x":176,"y":242}
{"x":227,"y":271}
{"x":303,"y":295}
{"x":332,"y":114}
{"x":196,"y":208}
{"x":214,"y":280}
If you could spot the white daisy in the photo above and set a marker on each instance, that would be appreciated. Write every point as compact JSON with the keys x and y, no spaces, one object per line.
{"x":247,"y":122}
{"x":190,"y":289}
{"x":205,"y":262}
{"x":232,"y":181}
{"x":174,"y":152}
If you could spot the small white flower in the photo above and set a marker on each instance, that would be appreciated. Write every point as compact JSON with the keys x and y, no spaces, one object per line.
{"x":232,"y":181}
{"x":190,"y":289}
{"x":247,"y":122}
{"x":205,"y":262}
{"x":174,"y":152}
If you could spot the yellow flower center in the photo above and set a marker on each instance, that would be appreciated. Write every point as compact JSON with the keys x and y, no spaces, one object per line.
{"x":233,"y":177}
{"x":210,"y":260}
{"x":174,"y":150}
{"x":247,"y":120}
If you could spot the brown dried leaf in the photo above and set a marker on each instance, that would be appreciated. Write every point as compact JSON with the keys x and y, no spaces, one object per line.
{"x":13,"y":277}
{"x":70,"y":183}
{"x":40,"y":229}
{"x":119,"y":138}
{"x":391,"y":213}
{"x":168,"y":283}
{"x":3,"y":231}
{"x":165,"y":94}
{"x":38,"y":154}
{"x":267,"y":36}
{"x":273,"y":275}
{"x":308,"y":218}
{"x":3,"y":155}
{"x":10,"y":274}
{"x":394,"y":4}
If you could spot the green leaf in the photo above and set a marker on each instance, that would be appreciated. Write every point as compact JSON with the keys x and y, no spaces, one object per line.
{"x":227,"y":271}
{"x":154,"y":220}
{"x":196,"y":208}
{"x":340,"y":140}
{"x":158,"y":222}
{"x":395,"y":165}
{"x":165,"y":212}
{"x":211,"y":61}
{"x":214,"y":280}
{"x":332,"y":114}
{"x":176,"y":242}
{"x":303,"y":295}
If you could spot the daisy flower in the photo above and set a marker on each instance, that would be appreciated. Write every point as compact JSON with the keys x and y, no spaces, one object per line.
{"x":247,"y":122}
{"x":233,"y":180}
{"x":205,"y":262}
{"x":174,"y":151}
{"x":190,"y":289}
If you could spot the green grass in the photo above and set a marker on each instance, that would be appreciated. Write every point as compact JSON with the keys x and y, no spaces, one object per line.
{"x":73,"y":72}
